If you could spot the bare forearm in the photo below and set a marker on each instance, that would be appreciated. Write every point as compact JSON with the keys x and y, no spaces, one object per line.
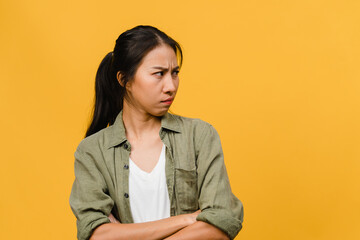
{"x":149,"y":230}
{"x":199,"y":230}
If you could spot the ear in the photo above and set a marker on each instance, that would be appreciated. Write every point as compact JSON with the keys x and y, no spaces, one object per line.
{"x":120,"y":79}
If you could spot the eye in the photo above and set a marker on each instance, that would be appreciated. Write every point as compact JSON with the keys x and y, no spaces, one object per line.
{"x":176,"y":72}
{"x":159,"y":73}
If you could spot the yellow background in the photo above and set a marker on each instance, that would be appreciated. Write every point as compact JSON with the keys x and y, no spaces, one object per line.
{"x":279,"y":80}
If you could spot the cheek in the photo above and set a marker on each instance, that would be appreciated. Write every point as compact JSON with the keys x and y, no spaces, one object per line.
{"x":139,"y":84}
{"x":177,"y":84}
{"x":146,"y":90}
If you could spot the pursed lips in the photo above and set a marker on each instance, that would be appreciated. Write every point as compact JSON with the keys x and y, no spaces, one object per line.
{"x":168,"y":101}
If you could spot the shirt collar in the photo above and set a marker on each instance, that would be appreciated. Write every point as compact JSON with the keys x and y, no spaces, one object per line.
{"x":116,"y":132}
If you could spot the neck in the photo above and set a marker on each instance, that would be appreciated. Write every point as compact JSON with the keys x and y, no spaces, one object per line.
{"x":139,"y":123}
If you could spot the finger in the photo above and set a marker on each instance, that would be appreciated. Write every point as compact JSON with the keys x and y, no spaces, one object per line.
{"x":112,"y":219}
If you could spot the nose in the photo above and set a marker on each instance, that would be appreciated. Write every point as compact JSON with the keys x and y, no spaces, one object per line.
{"x":170,"y":84}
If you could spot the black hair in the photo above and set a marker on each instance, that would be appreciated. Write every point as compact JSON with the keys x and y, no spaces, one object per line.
{"x":130,"y":48}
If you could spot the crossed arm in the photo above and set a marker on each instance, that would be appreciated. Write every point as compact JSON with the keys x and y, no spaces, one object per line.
{"x":220,"y":207}
{"x":178,"y":227}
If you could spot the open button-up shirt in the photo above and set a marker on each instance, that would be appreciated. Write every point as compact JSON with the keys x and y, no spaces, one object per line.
{"x":196,"y":176}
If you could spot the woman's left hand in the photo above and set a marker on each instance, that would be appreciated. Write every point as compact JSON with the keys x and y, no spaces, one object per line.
{"x":113,"y":219}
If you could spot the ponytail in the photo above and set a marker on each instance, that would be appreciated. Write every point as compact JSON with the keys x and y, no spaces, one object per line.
{"x":108,"y":97}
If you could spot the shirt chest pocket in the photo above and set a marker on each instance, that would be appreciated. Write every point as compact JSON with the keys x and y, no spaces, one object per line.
{"x":186,"y":190}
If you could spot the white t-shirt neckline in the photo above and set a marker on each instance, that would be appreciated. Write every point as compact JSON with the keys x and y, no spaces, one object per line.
{"x":147,"y":175}
{"x":148,"y":193}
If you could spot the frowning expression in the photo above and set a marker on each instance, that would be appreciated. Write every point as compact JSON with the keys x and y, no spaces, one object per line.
{"x":154,"y":86}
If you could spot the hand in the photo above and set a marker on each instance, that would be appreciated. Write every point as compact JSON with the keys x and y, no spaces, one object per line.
{"x":192,"y":216}
{"x":113,"y":219}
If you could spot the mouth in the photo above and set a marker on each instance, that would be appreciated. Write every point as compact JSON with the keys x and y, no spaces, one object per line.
{"x":168,"y":101}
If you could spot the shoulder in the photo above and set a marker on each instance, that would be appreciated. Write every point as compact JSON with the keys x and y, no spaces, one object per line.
{"x":192,"y":124}
{"x":195,"y":128}
{"x":96,"y":142}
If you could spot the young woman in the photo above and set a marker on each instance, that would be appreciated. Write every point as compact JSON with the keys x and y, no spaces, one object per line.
{"x":141,"y":172}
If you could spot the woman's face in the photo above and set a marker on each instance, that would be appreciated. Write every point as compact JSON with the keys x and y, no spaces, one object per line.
{"x":155,"y":83}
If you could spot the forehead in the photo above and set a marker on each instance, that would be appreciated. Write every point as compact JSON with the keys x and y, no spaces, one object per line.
{"x":162,"y":55}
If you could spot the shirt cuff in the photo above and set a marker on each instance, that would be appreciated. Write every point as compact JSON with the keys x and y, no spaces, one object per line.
{"x":87,"y":226}
{"x":222,"y":220}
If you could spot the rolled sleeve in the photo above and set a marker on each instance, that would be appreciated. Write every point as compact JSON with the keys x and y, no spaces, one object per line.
{"x":89,"y":200}
{"x":219,"y":207}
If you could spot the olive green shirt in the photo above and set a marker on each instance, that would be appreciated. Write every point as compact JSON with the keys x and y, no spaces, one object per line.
{"x":196,"y":176}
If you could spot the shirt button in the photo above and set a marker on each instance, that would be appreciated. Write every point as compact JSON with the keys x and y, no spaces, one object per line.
{"x":126,"y":195}
{"x":126,"y":146}
{"x":126,"y":166}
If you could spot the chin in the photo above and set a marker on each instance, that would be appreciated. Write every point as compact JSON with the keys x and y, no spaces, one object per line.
{"x":160,"y":113}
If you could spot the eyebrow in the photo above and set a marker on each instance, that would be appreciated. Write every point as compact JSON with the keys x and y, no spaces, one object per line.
{"x":162,"y":68}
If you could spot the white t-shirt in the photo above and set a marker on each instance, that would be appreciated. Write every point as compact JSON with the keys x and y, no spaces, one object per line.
{"x":148,"y":193}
